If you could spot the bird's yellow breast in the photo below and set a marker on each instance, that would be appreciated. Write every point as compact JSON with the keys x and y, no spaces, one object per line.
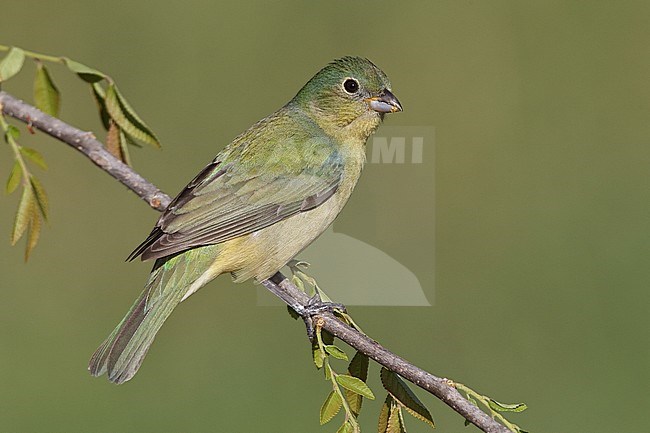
{"x":262,"y":253}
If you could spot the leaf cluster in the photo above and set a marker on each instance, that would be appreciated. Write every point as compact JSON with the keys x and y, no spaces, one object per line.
{"x":122,"y":124}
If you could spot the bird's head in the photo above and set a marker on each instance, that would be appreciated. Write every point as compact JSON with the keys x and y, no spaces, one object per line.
{"x":348,"y":97}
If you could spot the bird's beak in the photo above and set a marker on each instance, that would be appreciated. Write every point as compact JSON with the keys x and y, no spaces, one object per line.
{"x":386,"y":102}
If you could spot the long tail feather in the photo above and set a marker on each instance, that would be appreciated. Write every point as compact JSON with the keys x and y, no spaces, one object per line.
{"x":122,"y":353}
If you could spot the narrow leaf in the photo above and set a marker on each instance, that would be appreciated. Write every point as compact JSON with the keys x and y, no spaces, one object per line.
{"x":298,"y":282}
{"x":122,"y":113}
{"x":395,"y":424}
{"x":34,"y":156}
{"x":33,"y":234}
{"x":328,"y":371}
{"x":84,"y":72}
{"x":41,"y":197}
{"x":403,"y":394}
{"x":358,"y":368}
{"x":23,"y":215}
{"x":336,"y":352}
{"x":355,"y":385}
{"x":100,"y":96}
{"x":14,"y":178}
{"x":330,"y":408}
{"x":505,"y":407}
{"x":319,"y":358}
{"x":124,"y":148}
{"x":46,"y":95}
{"x":355,"y":401}
{"x":322,"y":295}
{"x":384,"y":414}
{"x":11,"y":64}
{"x":347,"y":427}
{"x":401,"y":420}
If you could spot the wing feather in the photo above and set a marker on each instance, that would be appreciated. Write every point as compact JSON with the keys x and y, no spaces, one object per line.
{"x":234,"y":196}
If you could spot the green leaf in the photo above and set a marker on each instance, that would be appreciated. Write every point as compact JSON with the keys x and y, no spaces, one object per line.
{"x":298,"y":283}
{"x":23,"y":214}
{"x":355,"y":385}
{"x":124,"y":148}
{"x":347,"y":427}
{"x":319,"y":357}
{"x":505,"y":407}
{"x":384,"y":414}
{"x":403,"y":394}
{"x":358,"y":368}
{"x":12,"y":133}
{"x":395,"y":421}
{"x":401,"y":420}
{"x":322,"y":295}
{"x":130,"y":140}
{"x":336,"y":352}
{"x":46,"y":95}
{"x":41,"y":197}
{"x":355,"y":401}
{"x":331,"y":407}
{"x":33,"y":234}
{"x":328,"y":371}
{"x":34,"y":156}
{"x":84,"y":72}
{"x":100,"y":99}
{"x":14,"y":178}
{"x":11,"y":64}
{"x":122,"y":113}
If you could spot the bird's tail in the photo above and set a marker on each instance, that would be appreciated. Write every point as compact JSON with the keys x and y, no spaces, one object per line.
{"x":171,"y":280}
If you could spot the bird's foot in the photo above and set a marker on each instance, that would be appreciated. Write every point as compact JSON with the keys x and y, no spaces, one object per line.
{"x":319,"y":300}
{"x":317,"y":306}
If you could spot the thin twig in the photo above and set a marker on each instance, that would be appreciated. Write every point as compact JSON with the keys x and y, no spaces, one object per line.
{"x":86,"y":143}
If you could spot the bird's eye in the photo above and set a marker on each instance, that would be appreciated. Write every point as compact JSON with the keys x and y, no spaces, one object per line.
{"x":351,"y":85}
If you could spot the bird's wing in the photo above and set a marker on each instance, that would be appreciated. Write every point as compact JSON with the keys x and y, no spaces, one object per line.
{"x":226,"y":200}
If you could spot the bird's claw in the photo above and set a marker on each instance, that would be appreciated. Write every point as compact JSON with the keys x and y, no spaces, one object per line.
{"x":316,"y":306}
{"x":319,"y":301}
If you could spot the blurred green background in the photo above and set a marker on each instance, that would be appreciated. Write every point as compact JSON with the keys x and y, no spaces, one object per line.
{"x":533,"y":249}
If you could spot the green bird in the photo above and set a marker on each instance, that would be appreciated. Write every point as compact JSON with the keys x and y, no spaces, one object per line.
{"x":261,"y":201}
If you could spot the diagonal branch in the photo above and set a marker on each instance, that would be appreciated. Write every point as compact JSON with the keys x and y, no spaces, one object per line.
{"x":86,"y":143}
